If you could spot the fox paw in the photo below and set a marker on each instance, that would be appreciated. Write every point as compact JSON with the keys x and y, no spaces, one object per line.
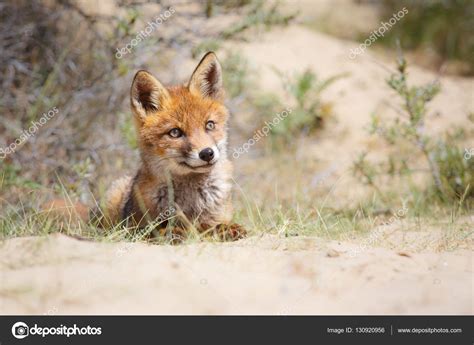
{"x":175,"y":235}
{"x":230,"y":232}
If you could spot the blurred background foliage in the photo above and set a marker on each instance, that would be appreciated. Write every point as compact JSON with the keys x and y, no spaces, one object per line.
{"x":441,"y":28}
{"x":59,"y":53}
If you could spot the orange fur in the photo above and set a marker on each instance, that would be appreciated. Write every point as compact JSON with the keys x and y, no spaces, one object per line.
{"x":74,"y":212}
{"x":182,"y":138}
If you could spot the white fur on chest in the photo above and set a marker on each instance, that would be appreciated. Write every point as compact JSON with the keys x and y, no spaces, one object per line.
{"x":203,"y":196}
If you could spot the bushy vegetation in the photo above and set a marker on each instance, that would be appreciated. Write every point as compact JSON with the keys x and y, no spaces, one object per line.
{"x":45,"y":67}
{"x":311,"y":112}
{"x":237,"y":77}
{"x":303,"y":94}
{"x":257,"y":15}
{"x":260,"y":14}
{"x":452,"y":176}
{"x":442,"y":26}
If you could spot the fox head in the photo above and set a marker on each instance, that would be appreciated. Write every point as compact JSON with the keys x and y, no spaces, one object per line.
{"x":182,"y":129}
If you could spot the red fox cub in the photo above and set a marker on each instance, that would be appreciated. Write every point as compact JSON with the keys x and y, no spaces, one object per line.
{"x":184,"y":171}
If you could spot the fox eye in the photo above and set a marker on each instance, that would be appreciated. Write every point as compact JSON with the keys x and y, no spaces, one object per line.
{"x":175,"y":133}
{"x":210,"y":125}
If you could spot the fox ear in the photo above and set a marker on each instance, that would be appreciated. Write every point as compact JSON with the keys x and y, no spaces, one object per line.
{"x":147,"y":94}
{"x":206,"y":79}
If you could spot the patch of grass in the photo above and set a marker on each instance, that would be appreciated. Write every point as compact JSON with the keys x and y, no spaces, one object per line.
{"x":393,"y":211}
{"x":300,"y":220}
{"x":11,"y":176}
{"x":282,"y":218}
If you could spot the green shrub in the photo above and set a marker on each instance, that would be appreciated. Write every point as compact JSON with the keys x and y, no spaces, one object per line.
{"x":309,"y":111}
{"x":452,"y":176}
{"x":205,"y":46}
{"x":456,"y":172}
{"x":236,"y":76}
{"x":444,"y":26}
{"x":259,"y":14}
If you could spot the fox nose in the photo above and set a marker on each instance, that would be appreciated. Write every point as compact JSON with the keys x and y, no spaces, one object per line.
{"x":206,"y":154}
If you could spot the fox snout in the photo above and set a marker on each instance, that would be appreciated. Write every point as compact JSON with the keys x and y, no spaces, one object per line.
{"x":207,"y":155}
{"x":202,"y":158}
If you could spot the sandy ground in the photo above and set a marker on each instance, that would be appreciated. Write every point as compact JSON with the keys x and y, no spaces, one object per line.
{"x":267,"y":275}
{"x":261,"y":275}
